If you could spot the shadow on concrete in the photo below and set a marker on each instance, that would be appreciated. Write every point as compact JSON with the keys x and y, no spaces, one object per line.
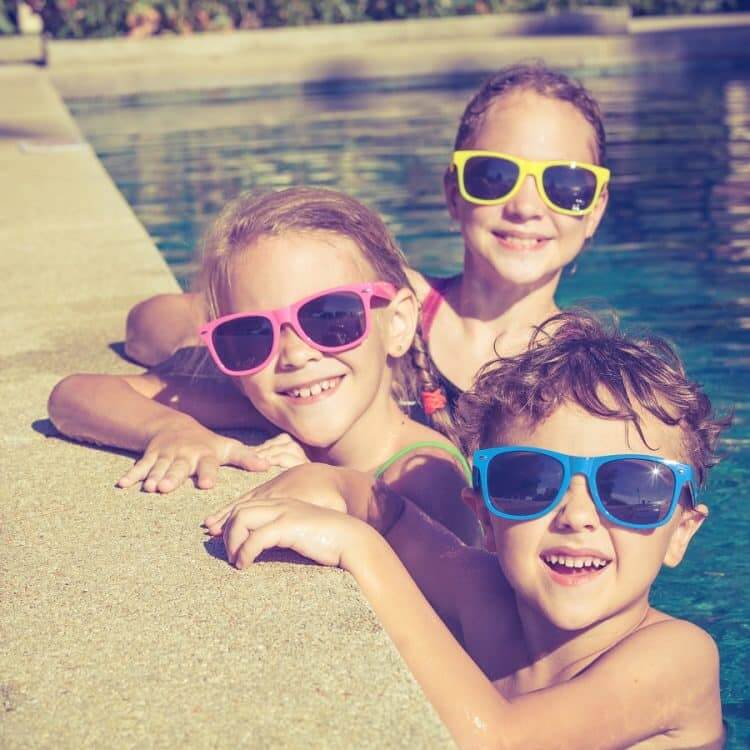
{"x":46,"y":428}
{"x":571,"y":22}
{"x":10,"y":132}
{"x":118,"y":347}
{"x":214,"y":546}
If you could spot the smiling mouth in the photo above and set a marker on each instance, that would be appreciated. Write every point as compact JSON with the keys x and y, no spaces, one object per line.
{"x":521,"y":243}
{"x":567,"y":565}
{"x":313,"y":390}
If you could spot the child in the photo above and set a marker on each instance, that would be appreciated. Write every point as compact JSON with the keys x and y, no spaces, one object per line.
{"x":311,"y":316}
{"x":562,"y":648}
{"x":527,"y":188}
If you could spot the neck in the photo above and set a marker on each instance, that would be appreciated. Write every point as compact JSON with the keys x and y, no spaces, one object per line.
{"x":373,"y":437}
{"x":488,"y":297}
{"x":557,"y":655}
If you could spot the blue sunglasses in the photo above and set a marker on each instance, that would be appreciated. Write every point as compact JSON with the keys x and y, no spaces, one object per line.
{"x":637,"y":491}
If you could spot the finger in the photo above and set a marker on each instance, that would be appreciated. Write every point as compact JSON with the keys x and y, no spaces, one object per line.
{"x":265,"y":537}
{"x":207,"y":472}
{"x":283,"y":438}
{"x":139,"y":471}
{"x":286,"y":459}
{"x":176,"y":474}
{"x":243,"y":523}
{"x":246,"y":458}
{"x":158,"y":470}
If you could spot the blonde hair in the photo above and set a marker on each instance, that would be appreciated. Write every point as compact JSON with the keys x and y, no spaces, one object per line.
{"x":254,"y":215}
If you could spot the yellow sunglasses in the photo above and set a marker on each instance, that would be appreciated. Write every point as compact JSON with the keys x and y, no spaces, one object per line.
{"x":488,"y":178}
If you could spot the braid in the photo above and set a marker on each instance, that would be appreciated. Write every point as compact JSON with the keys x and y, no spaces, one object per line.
{"x":427,"y":382}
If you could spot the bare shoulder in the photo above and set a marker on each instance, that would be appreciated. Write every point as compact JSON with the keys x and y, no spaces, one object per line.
{"x":677,"y":642}
{"x":429,"y":448}
{"x":419,"y":282}
{"x":678,"y":662}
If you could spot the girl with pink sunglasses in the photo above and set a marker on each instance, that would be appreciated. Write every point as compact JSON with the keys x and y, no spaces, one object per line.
{"x":312,"y":317}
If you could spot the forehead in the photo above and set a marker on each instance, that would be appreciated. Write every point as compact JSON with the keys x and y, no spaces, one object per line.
{"x":277,"y":270}
{"x":532,"y":126}
{"x":573,"y":430}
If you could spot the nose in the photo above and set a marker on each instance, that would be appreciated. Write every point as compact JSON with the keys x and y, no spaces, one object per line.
{"x":526,"y":204}
{"x":294,"y":352}
{"x":577,"y":511}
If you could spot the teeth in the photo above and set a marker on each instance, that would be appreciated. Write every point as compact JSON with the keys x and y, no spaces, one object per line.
{"x":525,"y":243}
{"x":576,"y":562}
{"x":314,"y":389}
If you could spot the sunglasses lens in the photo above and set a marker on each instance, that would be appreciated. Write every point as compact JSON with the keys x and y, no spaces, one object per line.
{"x":523,"y":484}
{"x":243,"y":343}
{"x":489,"y":177}
{"x":636,"y":491}
{"x":570,"y":188}
{"x":334,"y":320}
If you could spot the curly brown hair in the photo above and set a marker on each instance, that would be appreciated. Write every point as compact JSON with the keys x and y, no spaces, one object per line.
{"x":584,"y":358}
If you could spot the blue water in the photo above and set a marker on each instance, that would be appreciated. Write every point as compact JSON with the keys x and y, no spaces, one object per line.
{"x":672,"y":254}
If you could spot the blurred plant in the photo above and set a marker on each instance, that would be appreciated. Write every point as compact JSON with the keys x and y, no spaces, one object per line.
{"x":97,"y":18}
{"x":8,"y":17}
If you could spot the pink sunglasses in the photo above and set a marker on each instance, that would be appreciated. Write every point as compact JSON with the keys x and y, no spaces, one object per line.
{"x":330,"y":321}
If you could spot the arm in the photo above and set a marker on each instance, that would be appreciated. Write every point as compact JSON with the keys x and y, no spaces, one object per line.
{"x":661,"y":680}
{"x":427,"y":549}
{"x":125,"y":412}
{"x":158,"y":326}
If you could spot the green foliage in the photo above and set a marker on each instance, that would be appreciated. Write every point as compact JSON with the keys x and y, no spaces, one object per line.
{"x":7,"y":17}
{"x":99,"y":18}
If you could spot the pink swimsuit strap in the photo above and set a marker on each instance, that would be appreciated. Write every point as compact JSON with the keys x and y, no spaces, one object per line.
{"x":432,"y":302}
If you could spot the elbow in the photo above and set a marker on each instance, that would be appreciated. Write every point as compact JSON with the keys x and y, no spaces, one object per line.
{"x":61,"y":403}
{"x":138,"y":344}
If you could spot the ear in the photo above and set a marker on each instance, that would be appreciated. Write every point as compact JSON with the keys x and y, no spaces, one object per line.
{"x":477,"y":507}
{"x":450,"y":189}
{"x":402,"y":322}
{"x":594,"y":218}
{"x":690,"y":521}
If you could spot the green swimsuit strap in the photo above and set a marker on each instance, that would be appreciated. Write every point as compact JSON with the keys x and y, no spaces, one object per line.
{"x":447,"y":447}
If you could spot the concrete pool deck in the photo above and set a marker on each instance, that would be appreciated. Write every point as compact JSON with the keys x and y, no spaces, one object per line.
{"x":120,"y":625}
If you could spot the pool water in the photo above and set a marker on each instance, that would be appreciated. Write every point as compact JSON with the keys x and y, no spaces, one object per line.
{"x":673,"y":253}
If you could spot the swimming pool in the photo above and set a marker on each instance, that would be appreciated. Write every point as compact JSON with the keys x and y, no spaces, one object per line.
{"x":673,"y":253}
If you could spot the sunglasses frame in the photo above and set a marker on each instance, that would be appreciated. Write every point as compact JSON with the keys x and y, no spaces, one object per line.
{"x":288,"y":315}
{"x":527,"y":167}
{"x":587,"y":466}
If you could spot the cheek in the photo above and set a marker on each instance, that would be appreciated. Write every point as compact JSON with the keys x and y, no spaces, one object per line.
{"x":516,"y":544}
{"x":571,"y":230}
{"x":644,"y":551}
{"x":254,"y":387}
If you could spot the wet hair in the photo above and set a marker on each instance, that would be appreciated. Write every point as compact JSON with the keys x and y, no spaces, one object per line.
{"x":540,"y":79}
{"x":312,"y":209}
{"x":581,"y":358}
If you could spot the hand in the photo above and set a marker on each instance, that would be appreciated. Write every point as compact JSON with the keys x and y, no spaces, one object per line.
{"x":173,"y":455}
{"x":324,"y":535}
{"x":282,"y":450}
{"x":316,"y":484}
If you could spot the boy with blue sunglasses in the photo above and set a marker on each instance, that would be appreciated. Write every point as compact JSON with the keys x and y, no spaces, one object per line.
{"x":588,"y":450}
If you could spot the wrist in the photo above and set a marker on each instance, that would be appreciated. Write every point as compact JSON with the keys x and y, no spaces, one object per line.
{"x":365,"y":552}
{"x":171,"y":421}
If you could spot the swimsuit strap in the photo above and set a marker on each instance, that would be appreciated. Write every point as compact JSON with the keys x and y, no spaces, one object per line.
{"x":432,"y":302}
{"x":447,"y":447}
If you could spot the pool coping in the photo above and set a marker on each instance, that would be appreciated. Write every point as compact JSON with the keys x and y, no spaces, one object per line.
{"x":594,"y":38}
{"x":103,"y":582}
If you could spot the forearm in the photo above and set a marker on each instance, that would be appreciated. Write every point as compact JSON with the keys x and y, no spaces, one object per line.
{"x":104,"y":409}
{"x":467,"y":702}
